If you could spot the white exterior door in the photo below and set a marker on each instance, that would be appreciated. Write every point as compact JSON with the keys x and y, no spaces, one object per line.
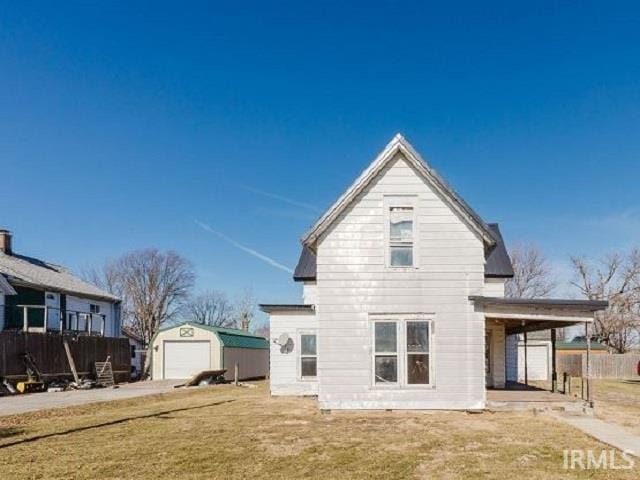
{"x":183,"y":359}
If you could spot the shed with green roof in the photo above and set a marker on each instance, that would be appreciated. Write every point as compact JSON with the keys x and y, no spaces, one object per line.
{"x":183,"y":350}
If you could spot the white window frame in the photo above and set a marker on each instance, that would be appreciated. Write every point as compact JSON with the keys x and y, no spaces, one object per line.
{"x":401,"y":201}
{"x":302,"y":378}
{"x":375,"y":354}
{"x":401,"y":350}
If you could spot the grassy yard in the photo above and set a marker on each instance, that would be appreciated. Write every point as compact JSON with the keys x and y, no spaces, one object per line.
{"x":232,"y":432}
{"x":618,"y":401}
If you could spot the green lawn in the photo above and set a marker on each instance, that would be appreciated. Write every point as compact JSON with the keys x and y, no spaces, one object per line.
{"x":233,"y":432}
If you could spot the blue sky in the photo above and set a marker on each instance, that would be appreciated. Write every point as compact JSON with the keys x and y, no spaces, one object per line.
{"x":121,"y":123}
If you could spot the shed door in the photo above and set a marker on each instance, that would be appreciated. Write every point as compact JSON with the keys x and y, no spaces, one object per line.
{"x":537,"y":362}
{"x":183,"y":359}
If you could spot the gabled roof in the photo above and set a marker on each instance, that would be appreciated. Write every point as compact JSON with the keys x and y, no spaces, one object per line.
{"x":498,"y":263}
{"x":400,"y":145}
{"x":28,"y":271}
{"x":229,"y":337}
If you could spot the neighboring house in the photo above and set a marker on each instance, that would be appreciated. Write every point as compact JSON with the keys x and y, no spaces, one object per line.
{"x":403,"y":298}
{"x":136,"y":343}
{"x":38,"y":296}
{"x":181,"y":351}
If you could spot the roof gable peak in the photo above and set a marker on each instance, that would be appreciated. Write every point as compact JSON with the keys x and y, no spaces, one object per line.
{"x":399,"y":144}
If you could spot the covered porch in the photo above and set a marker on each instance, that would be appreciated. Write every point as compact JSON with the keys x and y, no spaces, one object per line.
{"x":506,"y":320}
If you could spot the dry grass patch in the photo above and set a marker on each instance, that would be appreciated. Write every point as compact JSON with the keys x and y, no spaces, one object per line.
{"x":231,"y":432}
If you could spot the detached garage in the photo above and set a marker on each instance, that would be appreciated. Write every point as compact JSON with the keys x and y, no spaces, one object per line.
{"x":181,"y":351}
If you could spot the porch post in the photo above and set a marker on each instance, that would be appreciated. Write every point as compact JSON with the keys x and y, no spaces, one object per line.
{"x":588,"y":367}
{"x":526,"y":368}
{"x":554,"y":374}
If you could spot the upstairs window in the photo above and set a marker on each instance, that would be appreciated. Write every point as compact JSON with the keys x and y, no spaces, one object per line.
{"x":93,"y":308}
{"x":401,"y":237}
{"x":308,"y":356}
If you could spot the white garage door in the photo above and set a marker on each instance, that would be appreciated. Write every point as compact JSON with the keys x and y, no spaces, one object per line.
{"x":537,"y":362}
{"x":183,"y":359}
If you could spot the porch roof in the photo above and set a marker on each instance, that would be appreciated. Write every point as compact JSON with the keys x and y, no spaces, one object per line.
{"x":521,"y":315}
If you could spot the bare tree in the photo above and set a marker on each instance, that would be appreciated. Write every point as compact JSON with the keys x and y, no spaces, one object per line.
{"x":262,"y":330}
{"x":616,"y":280}
{"x":245,"y":309}
{"x":211,"y":308}
{"x":533,"y":276}
{"x":153,"y":285}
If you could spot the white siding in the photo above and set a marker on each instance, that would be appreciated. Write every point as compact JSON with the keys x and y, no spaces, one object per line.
{"x":494,"y":287}
{"x":310,"y":293}
{"x":353,"y":282}
{"x":285,"y":363}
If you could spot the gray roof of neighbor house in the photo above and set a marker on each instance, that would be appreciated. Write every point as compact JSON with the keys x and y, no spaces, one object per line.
{"x":498,"y":264}
{"x":5,"y":287}
{"x":32,"y":272}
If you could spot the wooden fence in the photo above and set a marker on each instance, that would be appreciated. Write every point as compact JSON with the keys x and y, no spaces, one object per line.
{"x":601,"y":366}
{"x":48,"y":351}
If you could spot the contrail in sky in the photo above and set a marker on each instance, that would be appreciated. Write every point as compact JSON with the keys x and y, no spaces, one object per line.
{"x":275,"y":196}
{"x":250,"y":251}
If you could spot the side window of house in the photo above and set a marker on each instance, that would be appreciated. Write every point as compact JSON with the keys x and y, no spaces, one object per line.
{"x":401,"y":237}
{"x":386,"y":352}
{"x":403,"y":362}
{"x":133,"y":351}
{"x":417,"y":352}
{"x":94,"y":308}
{"x":308,"y":356}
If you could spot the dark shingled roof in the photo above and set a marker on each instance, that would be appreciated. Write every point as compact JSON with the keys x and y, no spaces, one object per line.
{"x":306,"y":268}
{"x":498,"y":262}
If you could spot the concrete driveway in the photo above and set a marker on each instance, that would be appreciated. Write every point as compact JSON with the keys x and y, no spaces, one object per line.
{"x":42,"y":401}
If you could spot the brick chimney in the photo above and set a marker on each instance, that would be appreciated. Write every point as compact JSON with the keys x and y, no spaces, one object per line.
{"x":5,"y":242}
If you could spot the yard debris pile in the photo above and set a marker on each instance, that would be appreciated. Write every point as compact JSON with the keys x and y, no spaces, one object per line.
{"x":35,"y":381}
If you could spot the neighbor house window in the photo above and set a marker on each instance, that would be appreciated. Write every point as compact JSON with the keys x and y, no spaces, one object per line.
{"x":386,"y":352}
{"x":308,"y":356}
{"x":94,"y":308}
{"x":402,"y":352}
{"x":133,"y":351}
{"x":401,"y":236}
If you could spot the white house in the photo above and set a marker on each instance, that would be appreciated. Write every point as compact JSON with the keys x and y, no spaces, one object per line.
{"x":39,"y":296}
{"x":403,"y":298}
